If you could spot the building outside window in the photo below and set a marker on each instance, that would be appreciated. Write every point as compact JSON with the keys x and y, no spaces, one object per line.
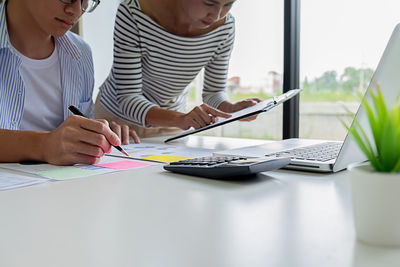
{"x":255,"y":69}
{"x":341,"y":44}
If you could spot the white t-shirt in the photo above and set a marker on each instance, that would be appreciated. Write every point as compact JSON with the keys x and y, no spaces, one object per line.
{"x":43,"y":105}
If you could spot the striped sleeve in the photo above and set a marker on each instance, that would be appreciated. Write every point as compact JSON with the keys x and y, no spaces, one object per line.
{"x":154,"y":67}
{"x":127,"y":68}
{"x":85,"y":77}
{"x":216,"y":72}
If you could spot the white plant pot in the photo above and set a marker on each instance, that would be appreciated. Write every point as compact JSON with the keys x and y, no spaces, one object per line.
{"x":376,"y":205}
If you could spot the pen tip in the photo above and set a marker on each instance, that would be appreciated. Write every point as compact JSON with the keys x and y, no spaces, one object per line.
{"x":123,"y":152}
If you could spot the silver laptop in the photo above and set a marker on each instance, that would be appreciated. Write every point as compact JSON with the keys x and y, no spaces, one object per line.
{"x":333,"y":156}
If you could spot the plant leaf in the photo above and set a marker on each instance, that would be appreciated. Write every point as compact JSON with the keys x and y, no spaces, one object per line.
{"x":362,"y":141}
{"x":383,"y":151}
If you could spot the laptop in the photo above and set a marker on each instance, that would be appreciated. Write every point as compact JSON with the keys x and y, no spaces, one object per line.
{"x":333,"y":156}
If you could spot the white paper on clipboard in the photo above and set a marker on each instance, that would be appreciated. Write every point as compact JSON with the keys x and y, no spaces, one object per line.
{"x":262,"y":106}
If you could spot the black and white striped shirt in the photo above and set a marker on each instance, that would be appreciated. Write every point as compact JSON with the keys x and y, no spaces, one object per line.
{"x":153,"y":67}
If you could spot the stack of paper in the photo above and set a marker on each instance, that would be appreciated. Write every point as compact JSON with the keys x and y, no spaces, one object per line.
{"x":10,"y":181}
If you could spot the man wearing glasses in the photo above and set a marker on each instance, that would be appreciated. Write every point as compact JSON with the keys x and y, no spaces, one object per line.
{"x":86,"y":5}
{"x":44,"y":68}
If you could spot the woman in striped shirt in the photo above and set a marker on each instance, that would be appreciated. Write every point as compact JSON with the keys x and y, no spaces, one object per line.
{"x":159,"y":48}
{"x":43,"y":69}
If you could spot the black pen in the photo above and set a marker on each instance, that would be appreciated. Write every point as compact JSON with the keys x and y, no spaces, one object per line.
{"x":76,"y":111}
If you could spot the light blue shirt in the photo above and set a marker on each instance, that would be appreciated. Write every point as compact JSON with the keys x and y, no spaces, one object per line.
{"x":77,"y":76}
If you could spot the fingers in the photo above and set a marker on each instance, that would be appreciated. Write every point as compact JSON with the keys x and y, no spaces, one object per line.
{"x":197,"y":123}
{"x":215,"y":112}
{"x":93,"y":144}
{"x":203,"y":115}
{"x":90,"y":151}
{"x":77,"y":158}
{"x":102,"y":134}
{"x":248,"y":103}
{"x":64,"y":146}
{"x":78,"y":140}
{"x":245,"y":104}
{"x":124,"y":133}
{"x":85,"y":159}
{"x":258,"y":100}
{"x":92,"y":132}
{"x":134,"y":136}
{"x":116,"y":128}
{"x":250,"y":118}
{"x":101,"y":127}
{"x":198,"y":118}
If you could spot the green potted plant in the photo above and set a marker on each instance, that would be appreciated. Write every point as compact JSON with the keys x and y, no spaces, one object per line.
{"x":376,"y":183}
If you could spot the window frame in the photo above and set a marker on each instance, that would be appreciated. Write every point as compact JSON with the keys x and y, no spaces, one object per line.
{"x":291,"y":68}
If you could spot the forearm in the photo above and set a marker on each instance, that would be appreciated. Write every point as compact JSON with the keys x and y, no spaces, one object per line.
{"x":16,"y":146}
{"x":161,"y":117}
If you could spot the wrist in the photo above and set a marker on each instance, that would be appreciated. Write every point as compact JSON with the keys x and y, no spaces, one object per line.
{"x":226,"y":107}
{"x":177,"y":119}
{"x":160,"y":117}
{"x":39,"y":146}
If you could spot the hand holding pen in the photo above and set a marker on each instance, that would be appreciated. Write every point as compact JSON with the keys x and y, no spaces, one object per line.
{"x":77,"y":140}
{"x":76,"y":111}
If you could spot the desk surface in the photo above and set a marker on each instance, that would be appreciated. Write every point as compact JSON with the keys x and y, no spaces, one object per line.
{"x":149,"y":217}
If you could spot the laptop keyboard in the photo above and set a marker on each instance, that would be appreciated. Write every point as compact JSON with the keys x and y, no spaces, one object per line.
{"x":320,"y":152}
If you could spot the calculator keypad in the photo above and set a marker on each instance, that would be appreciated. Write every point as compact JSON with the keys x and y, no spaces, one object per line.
{"x":225,"y":167}
{"x":207,"y":161}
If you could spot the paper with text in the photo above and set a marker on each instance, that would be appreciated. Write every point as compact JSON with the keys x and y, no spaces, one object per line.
{"x":160,"y":152}
{"x":106,"y":165}
{"x":10,"y":181}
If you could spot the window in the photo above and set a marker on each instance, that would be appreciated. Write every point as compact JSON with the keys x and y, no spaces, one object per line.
{"x":256,"y":67}
{"x":98,"y":32}
{"x":341,"y":44}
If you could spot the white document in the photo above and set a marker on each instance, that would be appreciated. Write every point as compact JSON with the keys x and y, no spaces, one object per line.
{"x":106,"y":165}
{"x":10,"y":181}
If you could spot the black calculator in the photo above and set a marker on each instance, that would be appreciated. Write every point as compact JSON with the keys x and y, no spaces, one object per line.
{"x":226,"y":167}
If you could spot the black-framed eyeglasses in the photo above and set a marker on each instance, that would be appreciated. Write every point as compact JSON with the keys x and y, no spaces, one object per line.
{"x":86,"y":5}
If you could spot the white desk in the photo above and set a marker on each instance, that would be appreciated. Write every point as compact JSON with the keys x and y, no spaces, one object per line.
{"x":149,"y":217}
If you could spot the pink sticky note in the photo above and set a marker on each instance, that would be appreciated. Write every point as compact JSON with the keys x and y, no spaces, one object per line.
{"x":123,"y":165}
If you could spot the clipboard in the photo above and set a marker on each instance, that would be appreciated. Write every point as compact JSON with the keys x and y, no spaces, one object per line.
{"x":260,"y":107}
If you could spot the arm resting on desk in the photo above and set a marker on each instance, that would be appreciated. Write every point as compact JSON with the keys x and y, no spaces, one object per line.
{"x":16,"y":146}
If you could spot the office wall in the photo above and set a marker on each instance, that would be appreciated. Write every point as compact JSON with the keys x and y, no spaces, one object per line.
{"x":77,"y":28}
{"x":97,"y":30}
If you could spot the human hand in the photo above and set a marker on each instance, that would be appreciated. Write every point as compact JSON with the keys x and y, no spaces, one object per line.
{"x":124,"y":133}
{"x":201,"y":116}
{"x":245,"y":104}
{"x":79,"y":140}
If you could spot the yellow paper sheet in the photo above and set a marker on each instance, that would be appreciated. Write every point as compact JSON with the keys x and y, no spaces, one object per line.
{"x":166,"y":158}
